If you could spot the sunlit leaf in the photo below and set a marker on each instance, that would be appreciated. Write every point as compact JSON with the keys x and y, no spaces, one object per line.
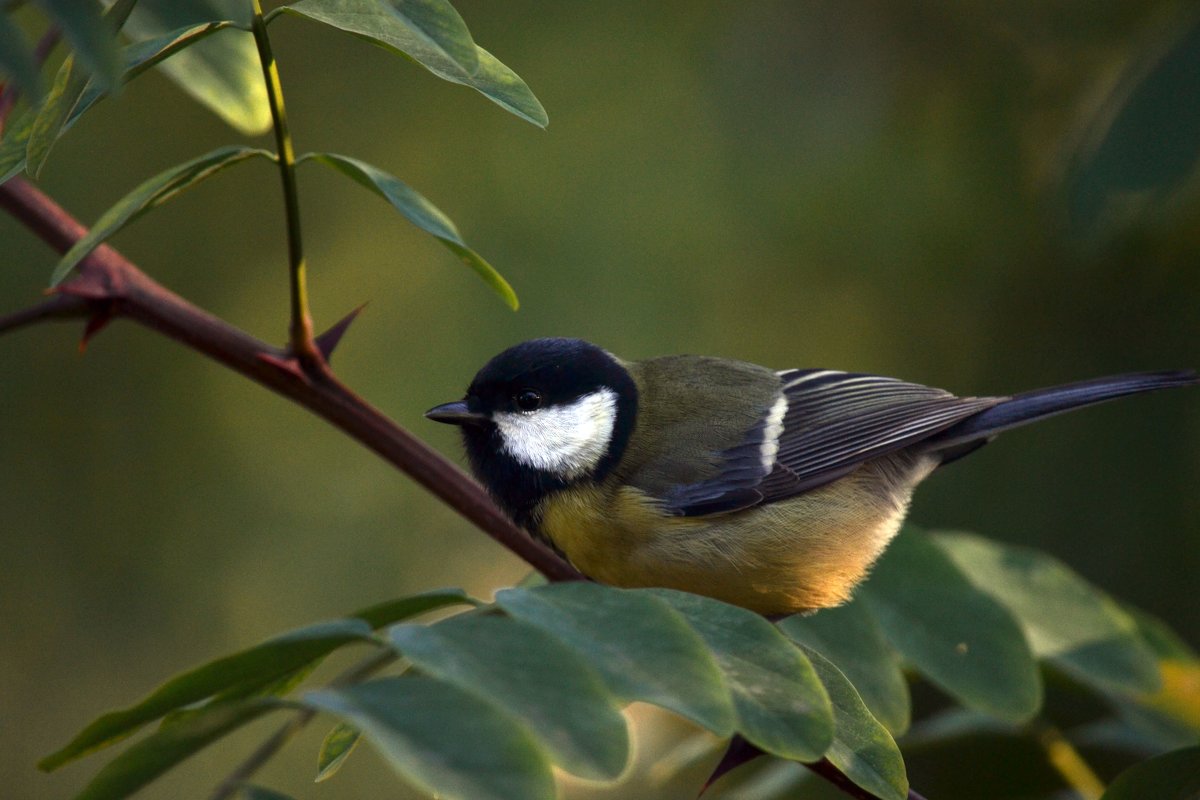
{"x":534,"y":677}
{"x":93,"y":39}
{"x":337,"y":746}
{"x":862,"y":748}
{"x":366,"y":20}
{"x":420,"y":212}
{"x":153,"y":192}
{"x":1172,"y":776}
{"x":17,"y":61}
{"x":642,"y":647}
{"x":850,"y":637}
{"x":148,"y":758}
{"x":223,"y":72}
{"x":781,"y":704}
{"x":444,"y":740}
{"x":954,"y":633}
{"x":429,"y":32}
{"x":271,"y":659}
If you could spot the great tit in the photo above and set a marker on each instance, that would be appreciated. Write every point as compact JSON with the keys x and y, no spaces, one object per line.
{"x":771,"y":490}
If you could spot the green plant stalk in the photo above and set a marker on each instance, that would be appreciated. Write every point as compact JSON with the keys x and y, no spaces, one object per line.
{"x":301,"y":332}
{"x":1068,"y":762}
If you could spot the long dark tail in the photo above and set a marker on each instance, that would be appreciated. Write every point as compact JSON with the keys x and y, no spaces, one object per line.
{"x":1020,"y":409}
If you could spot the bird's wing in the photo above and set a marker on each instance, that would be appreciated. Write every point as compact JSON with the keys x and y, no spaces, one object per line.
{"x":822,"y":425}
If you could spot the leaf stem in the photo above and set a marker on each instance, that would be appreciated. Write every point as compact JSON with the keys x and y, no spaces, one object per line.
{"x":1068,"y":762}
{"x":357,"y":673}
{"x":301,"y":331}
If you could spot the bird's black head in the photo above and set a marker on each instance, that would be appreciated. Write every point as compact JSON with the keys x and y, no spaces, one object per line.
{"x":542,"y":415}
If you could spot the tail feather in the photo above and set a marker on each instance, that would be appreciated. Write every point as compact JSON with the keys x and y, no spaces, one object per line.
{"x":1042,"y":403}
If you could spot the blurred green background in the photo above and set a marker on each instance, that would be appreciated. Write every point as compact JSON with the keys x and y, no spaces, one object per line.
{"x":918,"y":189}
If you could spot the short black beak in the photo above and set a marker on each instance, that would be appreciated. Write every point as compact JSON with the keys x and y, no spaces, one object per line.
{"x":456,"y":413}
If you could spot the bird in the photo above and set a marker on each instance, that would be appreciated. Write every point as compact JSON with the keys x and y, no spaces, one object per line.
{"x":771,"y":490}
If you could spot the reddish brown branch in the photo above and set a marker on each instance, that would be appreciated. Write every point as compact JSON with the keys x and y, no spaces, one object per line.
{"x":106,"y":282}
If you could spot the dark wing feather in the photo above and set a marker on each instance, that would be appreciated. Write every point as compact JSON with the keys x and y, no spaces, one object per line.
{"x":834,"y":422}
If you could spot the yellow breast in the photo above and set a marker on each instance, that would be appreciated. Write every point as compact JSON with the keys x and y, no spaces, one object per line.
{"x":802,"y":553}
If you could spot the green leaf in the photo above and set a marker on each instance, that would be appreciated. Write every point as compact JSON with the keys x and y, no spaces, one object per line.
{"x":1172,"y":776}
{"x":70,"y":105}
{"x":223,"y":72}
{"x":429,"y":32}
{"x":444,"y":740}
{"x":532,"y":676}
{"x":406,"y":607}
{"x":781,"y":705}
{"x":850,"y":637}
{"x":153,"y":192}
{"x":271,"y":659}
{"x":339,"y":743}
{"x":92,"y":37}
{"x":420,"y":212}
{"x":955,"y":634}
{"x":145,"y":760}
{"x":68,"y":87}
{"x":17,"y":61}
{"x":862,"y":748}
{"x":12,"y":145}
{"x":1066,"y":620}
{"x":372,"y":21}
{"x":642,"y":647}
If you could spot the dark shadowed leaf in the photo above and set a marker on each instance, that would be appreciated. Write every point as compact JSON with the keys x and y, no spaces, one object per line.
{"x":1065,"y":619}
{"x":850,"y":637}
{"x":222,"y":72}
{"x":642,"y":647}
{"x":69,"y":84}
{"x":147,"y":759}
{"x":535,"y":678}
{"x":420,"y":212}
{"x":72,"y":100}
{"x":153,"y":192}
{"x":429,"y":32}
{"x":1172,"y":776}
{"x":951,"y":631}
{"x":93,"y":38}
{"x":781,"y":705}
{"x":1146,"y":139}
{"x":444,"y":740}
{"x":862,"y":748}
{"x":271,"y":659}
{"x":12,"y":145}
{"x":16,"y":59}
{"x":372,"y":21}
{"x":337,"y":746}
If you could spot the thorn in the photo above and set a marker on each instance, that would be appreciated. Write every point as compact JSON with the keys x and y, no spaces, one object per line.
{"x":95,"y":324}
{"x":328,"y":340}
{"x":287,"y":364}
{"x":739,"y":752}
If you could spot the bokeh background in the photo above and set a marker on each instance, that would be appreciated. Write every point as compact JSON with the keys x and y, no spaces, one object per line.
{"x":918,"y":189}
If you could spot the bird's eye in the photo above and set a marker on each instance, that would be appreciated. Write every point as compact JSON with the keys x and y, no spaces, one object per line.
{"x":528,"y":400}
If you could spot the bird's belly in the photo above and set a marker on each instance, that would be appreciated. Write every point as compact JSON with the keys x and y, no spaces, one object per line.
{"x":797,"y":554}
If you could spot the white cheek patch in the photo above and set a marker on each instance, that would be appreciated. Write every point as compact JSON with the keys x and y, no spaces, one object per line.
{"x":567,"y":440}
